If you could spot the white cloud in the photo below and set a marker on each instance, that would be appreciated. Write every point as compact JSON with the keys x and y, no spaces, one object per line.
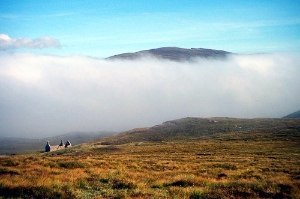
{"x":43,"y":95}
{"x":11,"y":43}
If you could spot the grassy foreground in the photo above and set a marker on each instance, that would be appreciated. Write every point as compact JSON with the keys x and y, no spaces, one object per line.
{"x":191,"y":169}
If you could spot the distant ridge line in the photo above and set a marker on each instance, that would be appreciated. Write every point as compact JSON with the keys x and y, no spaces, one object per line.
{"x":173,"y":54}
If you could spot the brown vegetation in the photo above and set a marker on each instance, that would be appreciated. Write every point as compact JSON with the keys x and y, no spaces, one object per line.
{"x":217,"y":167}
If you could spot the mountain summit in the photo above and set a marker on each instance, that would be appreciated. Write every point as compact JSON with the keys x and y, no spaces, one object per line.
{"x":173,"y":54}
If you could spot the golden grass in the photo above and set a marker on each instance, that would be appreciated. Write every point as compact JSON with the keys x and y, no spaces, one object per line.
{"x":204,"y":169}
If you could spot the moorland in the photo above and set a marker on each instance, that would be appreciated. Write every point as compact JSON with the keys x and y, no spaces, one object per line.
{"x":185,"y":158}
{"x":10,"y":145}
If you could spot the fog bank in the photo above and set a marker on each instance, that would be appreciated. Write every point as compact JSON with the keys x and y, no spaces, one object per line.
{"x":45,"y":95}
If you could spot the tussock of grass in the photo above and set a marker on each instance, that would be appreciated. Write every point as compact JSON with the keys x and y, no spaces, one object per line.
{"x":196,"y":195}
{"x":119,"y":184}
{"x":9,"y":162}
{"x":180,"y":183}
{"x":71,"y":164}
{"x":4,"y":171}
{"x":225,"y":166}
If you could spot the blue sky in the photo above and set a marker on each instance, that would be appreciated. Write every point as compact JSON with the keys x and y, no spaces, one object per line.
{"x":102,"y":28}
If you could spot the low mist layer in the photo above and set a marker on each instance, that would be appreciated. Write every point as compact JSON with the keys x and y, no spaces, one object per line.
{"x":45,"y":95}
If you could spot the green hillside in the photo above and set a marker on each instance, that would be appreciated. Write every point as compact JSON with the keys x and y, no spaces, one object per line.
{"x":192,"y":129}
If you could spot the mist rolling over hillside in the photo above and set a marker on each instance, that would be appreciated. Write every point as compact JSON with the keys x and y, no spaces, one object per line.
{"x":10,"y":146}
{"x":44,"y":95}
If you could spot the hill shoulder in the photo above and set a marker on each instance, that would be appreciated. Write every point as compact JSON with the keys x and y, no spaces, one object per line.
{"x":293,"y":115}
{"x":173,"y":54}
{"x":193,"y":129}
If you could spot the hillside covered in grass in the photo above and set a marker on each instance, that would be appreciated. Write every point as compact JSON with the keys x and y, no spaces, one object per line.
{"x":197,"y":129}
{"x":185,"y":158}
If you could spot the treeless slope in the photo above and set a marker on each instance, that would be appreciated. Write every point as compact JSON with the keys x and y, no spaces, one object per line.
{"x":217,"y":128}
{"x":173,"y":53}
{"x":293,"y":115}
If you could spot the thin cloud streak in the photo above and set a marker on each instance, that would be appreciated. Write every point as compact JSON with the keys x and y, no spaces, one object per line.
{"x":45,"y":95}
{"x":7,"y":43}
{"x":60,"y":14}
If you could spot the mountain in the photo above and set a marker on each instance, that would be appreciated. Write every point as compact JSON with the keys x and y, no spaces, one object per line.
{"x":293,"y":115}
{"x":193,"y":129}
{"x":24,"y":145}
{"x":173,"y":54}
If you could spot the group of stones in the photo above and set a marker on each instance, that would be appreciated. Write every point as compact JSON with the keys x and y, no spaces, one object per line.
{"x":49,"y":148}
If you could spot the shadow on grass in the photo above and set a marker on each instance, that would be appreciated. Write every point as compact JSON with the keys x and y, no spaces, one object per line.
{"x":71,"y":165}
{"x":34,"y":192}
{"x":4,"y":171}
{"x":244,"y":190}
{"x":180,"y":183}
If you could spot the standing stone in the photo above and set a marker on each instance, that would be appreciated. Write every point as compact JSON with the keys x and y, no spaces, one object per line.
{"x":47,"y":147}
{"x":68,"y":144}
{"x":61,"y":143}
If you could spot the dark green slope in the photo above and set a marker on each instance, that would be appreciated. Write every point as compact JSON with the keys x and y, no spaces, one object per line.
{"x":188,"y":129}
{"x":293,"y":115}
